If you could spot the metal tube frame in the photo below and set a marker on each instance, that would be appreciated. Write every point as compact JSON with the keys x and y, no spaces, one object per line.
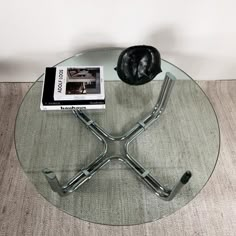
{"x":104,"y":137}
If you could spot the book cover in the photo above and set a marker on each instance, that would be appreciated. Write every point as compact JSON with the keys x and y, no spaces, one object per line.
{"x":79,"y":83}
{"x":49,"y":103}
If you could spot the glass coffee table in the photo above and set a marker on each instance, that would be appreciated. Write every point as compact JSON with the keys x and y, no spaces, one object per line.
{"x":145,"y":156}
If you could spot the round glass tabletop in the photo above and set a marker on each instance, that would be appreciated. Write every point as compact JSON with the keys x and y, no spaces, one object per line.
{"x":184,"y":138}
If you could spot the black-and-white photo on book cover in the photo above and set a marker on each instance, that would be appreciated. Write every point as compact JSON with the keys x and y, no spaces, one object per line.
{"x":81,"y":82}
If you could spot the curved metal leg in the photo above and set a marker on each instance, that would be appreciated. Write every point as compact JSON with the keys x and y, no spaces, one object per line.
{"x":85,"y":174}
{"x":74,"y":183}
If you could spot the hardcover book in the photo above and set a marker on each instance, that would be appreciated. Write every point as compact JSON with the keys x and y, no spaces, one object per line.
{"x":48,"y":101}
{"x":79,"y":82}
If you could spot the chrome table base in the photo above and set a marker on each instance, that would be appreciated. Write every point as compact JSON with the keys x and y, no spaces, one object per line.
{"x":123,"y":141}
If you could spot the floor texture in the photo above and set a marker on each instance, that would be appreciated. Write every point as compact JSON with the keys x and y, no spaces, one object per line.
{"x":213,"y":212}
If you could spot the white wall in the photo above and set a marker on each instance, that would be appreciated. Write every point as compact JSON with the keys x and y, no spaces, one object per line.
{"x":198,"y":36}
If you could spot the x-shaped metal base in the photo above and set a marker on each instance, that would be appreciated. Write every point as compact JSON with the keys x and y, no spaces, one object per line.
{"x":123,"y":141}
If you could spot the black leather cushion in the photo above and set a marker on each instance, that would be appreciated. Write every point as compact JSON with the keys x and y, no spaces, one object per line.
{"x":138,"y":64}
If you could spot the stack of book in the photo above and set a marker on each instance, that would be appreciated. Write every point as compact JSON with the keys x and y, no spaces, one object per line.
{"x":70,"y":87}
